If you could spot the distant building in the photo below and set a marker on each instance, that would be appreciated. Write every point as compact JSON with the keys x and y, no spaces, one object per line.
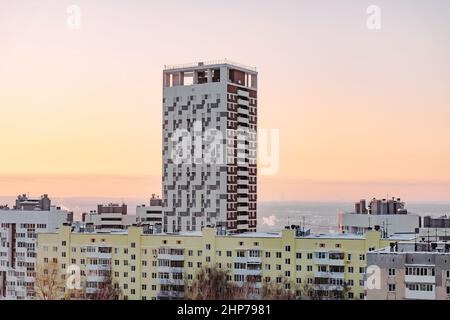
{"x":151,"y":216}
{"x":18,"y":242}
{"x":109,"y":217}
{"x":388,"y":216}
{"x":435,"y":229}
{"x":29,"y":204}
{"x":412,"y":271}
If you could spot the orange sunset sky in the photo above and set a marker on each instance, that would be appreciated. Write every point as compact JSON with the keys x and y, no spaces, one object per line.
{"x":361,"y":112}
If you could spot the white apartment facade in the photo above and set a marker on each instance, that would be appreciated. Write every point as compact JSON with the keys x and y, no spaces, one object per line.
{"x":18,"y":236}
{"x":151,"y":216}
{"x":110,"y":217}
{"x":212,"y":180}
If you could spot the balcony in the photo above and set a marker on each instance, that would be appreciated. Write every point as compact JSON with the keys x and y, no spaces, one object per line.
{"x":420,"y":295}
{"x":175,"y":282}
{"x":170,"y":295}
{"x":248,"y":272}
{"x":334,"y":275}
{"x":240,"y":259}
{"x":336,"y":262}
{"x":99,"y":252}
{"x":420,"y":279}
{"x":171,"y":257}
{"x":98,"y":267}
{"x":254,"y":260}
{"x":95,"y":278}
{"x":167,"y":269}
{"x":321,"y":261}
{"x":328,"y":287}
{"x":91,"y":290}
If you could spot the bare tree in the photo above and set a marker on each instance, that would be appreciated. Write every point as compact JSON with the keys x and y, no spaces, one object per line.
{"x":49,"y":285}
{"x":284,"y":290}
{"x":214,"y":284}
{"x":107,"y":290}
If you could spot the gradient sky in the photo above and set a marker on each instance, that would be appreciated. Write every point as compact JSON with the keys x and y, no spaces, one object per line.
{"x":361,"y":113}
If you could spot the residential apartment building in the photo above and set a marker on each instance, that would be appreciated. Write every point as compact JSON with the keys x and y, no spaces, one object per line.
{"x":388,"y":216}
{"x":209,"y":146}
{"x":411,"y":271}
{"x":435,"y":229}
{"x":19,"y":227}
{"x":109,"y":217}
{"x":158,"y":266}
{"x":151,"y":215}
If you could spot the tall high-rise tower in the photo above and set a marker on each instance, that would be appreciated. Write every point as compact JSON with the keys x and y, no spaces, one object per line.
{"x":209,"y":146}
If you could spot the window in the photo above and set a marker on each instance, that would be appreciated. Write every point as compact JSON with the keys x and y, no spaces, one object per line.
{"x":350,"y":282}
{"x":309,"y":256}
{"x":362,"y":257}
{"x":298,"y":267}
{"x":350,"y":295}
{"x":298,"y":255}
{"x":362,"y":270}
{"x":229,"y":253}
{"x":287,"y":248}
{"x":361,"y":296}
{"x":309,"y":268}
{"x":350,"y":269}
{"x":287,"y":261}
{"x":279,"y":255}
{"x":267,"y":254}
{"x":287,"y":273}
{"x":349,"y":257}
{"x":391,"y":287}
{"x":208,"y":247}
{"x":391,"y":271}
{"x":278,"y":267}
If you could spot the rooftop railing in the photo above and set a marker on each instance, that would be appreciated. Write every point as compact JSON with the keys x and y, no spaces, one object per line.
{"x":208,"y":63}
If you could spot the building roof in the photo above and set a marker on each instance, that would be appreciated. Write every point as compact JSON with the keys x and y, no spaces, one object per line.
{"x":210,"y":63}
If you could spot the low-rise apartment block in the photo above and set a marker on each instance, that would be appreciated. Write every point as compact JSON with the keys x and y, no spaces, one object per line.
{"x":19,"y":227}
{"x":159,"y":266}
{"x":413,"y":271}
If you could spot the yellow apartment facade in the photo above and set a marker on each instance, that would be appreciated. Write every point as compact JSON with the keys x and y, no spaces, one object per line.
{"x":160,"y":266}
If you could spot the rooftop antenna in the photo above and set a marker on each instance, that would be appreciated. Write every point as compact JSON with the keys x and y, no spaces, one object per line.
{"x":387,"y":227}
{"x":303,"y":218}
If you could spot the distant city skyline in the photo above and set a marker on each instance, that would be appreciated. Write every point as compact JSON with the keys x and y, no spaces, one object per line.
{"x":360,"y":112}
